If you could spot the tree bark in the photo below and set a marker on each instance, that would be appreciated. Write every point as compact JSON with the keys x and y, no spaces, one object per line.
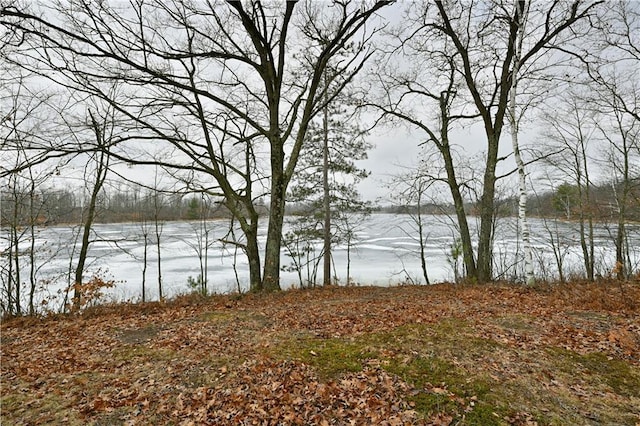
{"x":487,"y":212}
{"x":458,"y":202}
{"x":271,"y":277}
{"x":326,"y":280}
{"x":515,"y":126}
{"x":101,"y":174}
{"x":253,"y":256}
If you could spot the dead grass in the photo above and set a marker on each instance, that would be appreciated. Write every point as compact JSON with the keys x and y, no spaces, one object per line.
{"x":468,"y":355}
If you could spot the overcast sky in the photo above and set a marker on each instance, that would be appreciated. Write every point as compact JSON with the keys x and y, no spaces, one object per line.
{"x":395,"y":147}
{"x":398,"y":147}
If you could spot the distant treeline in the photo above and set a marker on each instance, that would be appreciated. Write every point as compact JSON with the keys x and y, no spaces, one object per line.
{"x":563,"y":202}
{"x":56,"y":206}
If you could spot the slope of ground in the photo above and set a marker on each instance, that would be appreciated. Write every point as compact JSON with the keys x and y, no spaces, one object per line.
{"x":440,"y":355}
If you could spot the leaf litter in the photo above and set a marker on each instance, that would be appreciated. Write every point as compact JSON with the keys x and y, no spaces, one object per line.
{"x":436,"y":355}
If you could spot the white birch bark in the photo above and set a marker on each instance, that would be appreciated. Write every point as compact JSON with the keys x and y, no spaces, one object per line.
{"x":514,"y":124}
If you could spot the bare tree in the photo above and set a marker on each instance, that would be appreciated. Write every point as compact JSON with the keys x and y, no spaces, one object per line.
{"x":200,"y":210}
{"x":408,"y":95}
{"x":616,"y":95}
{"x":145,"y":230}
{"x":514,"y":122}
{"x":475,"y":47}
{"x":223,"y":84}
{"x":25,"y":120}
{"x":102,"y":128}
{"x":622,"y":134}
{"x":571,"y":130}
{"x":158,"y":225}
{"x":411,"y":190}
{"x":607,"y":65}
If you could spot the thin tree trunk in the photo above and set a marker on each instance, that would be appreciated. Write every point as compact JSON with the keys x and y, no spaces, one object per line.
{"x":349,"y":258}
{"x":101,"y":174}
{"x":522,"y":182}
{"x":10,"y":277}
{"x":16,"y":260}
{"x":84,"y":248}
{"x":423,"y":261}
{"x":622,"y":268}
{"x":461,"y":216}
{"x":326,"y":194}
{"x":205,"y":277}
{"x":586,"y":207}
{"x":144,"y":271}
{"x":102,"y":168}
{"x":158,"y":232}
{"x":32,"y":248}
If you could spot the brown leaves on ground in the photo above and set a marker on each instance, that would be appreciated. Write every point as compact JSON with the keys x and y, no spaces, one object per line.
{"x":400,"y":356}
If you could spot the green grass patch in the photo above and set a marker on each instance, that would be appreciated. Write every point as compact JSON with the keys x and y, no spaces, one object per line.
{"x":419,"y":354}
{"x":443,"y":387}
{"x":138,"y":335}
{"x":330,"y":357}
{"x":217,"y":316}
{"x":598,"y":370}
{"x":27,"y":406}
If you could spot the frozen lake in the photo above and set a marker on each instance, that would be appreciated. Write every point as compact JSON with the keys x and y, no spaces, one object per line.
{"x":386,"y":252}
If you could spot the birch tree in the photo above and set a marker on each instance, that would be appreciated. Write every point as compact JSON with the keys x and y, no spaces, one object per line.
{"x":478,"y":43}
{"x":514,"y":122}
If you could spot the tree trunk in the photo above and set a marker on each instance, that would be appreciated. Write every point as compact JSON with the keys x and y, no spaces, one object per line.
{"x":253,"y":256}
{"x":158,"y":233}
{"x":423,"y":260}
{"x":586,"y":209}
{"x":522,"y":211}
{"x":84,"y":249}
{"x":621,"y":268}
{"x":461,"y":215}
{"x":522,"y":182}
{"x":487,"y":205}
{"x":326,"y":200}
{"x":144,"y":269}
{"x":271,"y":276}
{"x":12,"y":230}
{"x":33,"y":216}
{"x":271,"y":281}
{"x":102,"y":167}
{"x":16,"y":259}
